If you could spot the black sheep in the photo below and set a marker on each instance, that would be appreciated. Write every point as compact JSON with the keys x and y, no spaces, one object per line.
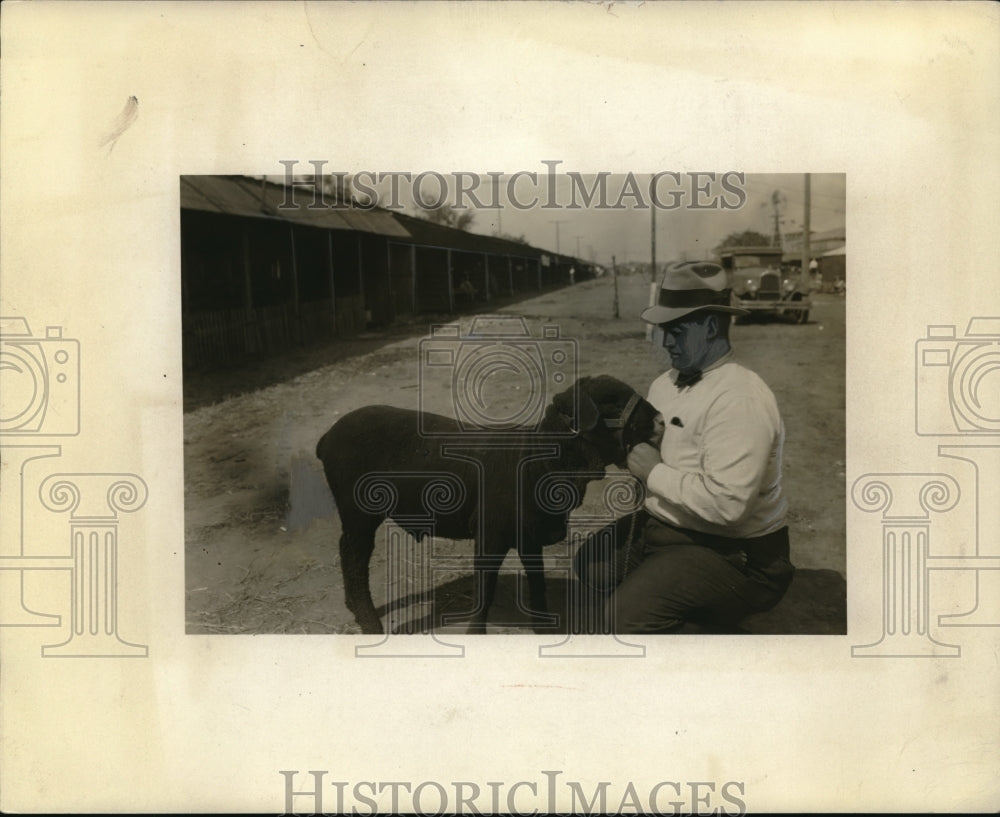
{"x":381,"y":462}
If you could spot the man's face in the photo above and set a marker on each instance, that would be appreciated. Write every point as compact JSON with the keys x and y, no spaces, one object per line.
{"x":687,"y":341}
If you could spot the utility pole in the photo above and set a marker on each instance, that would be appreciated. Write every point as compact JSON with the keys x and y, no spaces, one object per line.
{"x":806,"y":250}
{"x":652,"y":250}
{"x":776,"y":232}
{"x":614,"y":278}
{"x":496,"y":198}
{"x":652,"y":265}
{"x":557,"y":223}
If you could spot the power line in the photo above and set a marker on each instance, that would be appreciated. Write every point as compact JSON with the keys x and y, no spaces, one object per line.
{"x":763,"y":188}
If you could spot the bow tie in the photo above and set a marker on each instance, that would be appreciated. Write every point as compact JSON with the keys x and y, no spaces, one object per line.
{"x":687,"y":378}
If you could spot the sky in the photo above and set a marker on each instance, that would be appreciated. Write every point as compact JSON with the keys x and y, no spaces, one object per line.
{"x":572,"y":214}
{"x":703,"y":208}
{"x":681,"y":232}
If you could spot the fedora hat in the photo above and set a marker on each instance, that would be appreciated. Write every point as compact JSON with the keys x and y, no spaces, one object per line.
{"x":691,"y":286}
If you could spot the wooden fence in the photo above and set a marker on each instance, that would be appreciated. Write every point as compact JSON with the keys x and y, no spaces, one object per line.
{"x":231,"y":336}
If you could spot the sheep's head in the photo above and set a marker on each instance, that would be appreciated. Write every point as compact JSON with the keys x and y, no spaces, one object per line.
{"x":611,"y":415}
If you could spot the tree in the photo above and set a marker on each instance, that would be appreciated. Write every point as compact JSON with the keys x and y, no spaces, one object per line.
{"x":748,"y":238}
{"x":336,"y":190}
{"x":517,"y":239}
{"x":450,"y":217}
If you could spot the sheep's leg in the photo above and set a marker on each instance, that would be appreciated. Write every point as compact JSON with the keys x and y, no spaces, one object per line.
{"x":355,"y":556}
{"x":487,"y":567}
{"x":538,"y":605}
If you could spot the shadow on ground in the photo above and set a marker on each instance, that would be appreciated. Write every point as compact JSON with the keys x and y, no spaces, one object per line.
{"x":815,"y":604}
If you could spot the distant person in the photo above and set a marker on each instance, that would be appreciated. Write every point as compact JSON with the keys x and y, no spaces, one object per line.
{"x":815,"y":278}
{"x":711,"y":541}
{"x":466,"y":290}
{"x":572,"y":275}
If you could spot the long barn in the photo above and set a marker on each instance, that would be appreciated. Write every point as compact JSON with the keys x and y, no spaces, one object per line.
{"x":262,"y":270}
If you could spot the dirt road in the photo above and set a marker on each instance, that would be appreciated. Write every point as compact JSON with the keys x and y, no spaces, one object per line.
{"x":261,"y":529}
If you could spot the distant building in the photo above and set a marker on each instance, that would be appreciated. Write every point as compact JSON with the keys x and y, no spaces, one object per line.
{"x":828,"y":247}
{"x":819,"y":242}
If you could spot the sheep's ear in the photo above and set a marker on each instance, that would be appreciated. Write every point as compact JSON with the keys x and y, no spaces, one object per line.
{"x":589,"y":413}
{"x":586,"y":411}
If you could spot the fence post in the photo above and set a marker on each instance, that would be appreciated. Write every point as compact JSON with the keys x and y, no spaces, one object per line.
{"x":451,"y":295}
{"x":333,"y":285}
{"x":413,"y":276}
{"x":296,"y":318}
{"x":248,"y":334}
{"x":390,"y":294}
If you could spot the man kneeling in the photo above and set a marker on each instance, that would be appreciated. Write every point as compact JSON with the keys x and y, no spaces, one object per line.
{"x":711,"y":544}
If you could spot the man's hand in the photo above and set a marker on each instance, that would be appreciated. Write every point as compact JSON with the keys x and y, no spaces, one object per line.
{"x":659,"y":427}
{"x":642,"y":459}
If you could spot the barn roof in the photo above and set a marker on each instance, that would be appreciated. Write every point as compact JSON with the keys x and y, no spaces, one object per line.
{"x":254,"y":198}
{"x":836,"y":234}
{"x":427,"y":233}
{"x":748,"y":250}
{"x":250,"y":197}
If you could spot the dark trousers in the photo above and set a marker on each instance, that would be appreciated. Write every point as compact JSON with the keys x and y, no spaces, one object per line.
{"x":664,"y":579}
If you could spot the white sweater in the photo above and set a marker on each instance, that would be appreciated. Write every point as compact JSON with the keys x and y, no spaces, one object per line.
{"x":721,"y":452}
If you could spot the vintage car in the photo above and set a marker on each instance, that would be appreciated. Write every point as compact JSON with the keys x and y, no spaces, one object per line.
{"x":758,"y":280}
